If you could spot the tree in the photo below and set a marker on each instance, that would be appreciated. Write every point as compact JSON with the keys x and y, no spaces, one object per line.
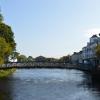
{"x":5,"y":49}
{"x":40,"y":59}
{"x":14,"y":56}
{"x":7,"y":34}
{"x":30,"y":58}
{"x":22,"y":58}
{"x":65,"y":59}
{"x":1,"y":18}
{"x":7,"y":39}
{"x":98,"y":51}
{"x":51,"y":59}
{"x":1,"y":60}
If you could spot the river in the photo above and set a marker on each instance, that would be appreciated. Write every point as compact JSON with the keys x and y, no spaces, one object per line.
{"x":49,"y":84}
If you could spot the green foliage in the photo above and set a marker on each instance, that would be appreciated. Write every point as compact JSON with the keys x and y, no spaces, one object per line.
{"x":22,"y":58}
{"x":14,"y":55}
{"x":1,"y":60}
{"x":30,"y":58}
{"x":7,"y":42}
{"x":1,"y":18}
{"x":5,"y":73}
{"x":65,"y":59}
{"x":5,"y":49}
{"x":40,"y":59}
{"x":98,"y":51}
{"x":51,"y":59}
{"x":7,"y":34}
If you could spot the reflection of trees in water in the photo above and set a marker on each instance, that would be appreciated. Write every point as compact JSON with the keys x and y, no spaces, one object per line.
{"x":4,"y":96}
{"x":91,"y":83}
{"x":95,"y":84}
{"x":5,"y":89}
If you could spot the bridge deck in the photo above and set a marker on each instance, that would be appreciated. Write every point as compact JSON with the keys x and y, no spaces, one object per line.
{"x":36,"y":65}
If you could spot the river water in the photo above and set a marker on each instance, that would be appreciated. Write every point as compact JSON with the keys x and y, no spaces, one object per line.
{"x":49,"y":84}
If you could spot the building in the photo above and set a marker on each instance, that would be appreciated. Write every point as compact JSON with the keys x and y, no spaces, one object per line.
{"x":40,"y":59}
{"x":80,"y":57}
{"x":75,"y":58}
{"x":88,"y":52}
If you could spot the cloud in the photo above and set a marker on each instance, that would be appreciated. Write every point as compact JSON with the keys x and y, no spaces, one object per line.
{"x":91,"y":32}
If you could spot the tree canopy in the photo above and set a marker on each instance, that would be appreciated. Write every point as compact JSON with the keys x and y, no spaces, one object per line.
{"x":7,"y":42}
{"x":7,"y":34}
{"x":22,"y":58}
{"x":98,"y":51}
{"x":30,"y":59}
{"x":5,"y":49}
{"x":65,"y":59}
{"x":1,"y":18}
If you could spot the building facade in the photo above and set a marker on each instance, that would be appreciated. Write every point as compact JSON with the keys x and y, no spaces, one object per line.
{"x":75,"y":58}
{"x":89,"y":52}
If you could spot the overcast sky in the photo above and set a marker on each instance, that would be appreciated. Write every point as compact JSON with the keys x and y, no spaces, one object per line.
{"x":51,"y":28}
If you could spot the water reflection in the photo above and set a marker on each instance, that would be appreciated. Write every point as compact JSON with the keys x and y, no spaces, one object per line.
{"x":95,"y":84}
{"x":48,"y":84}
{"x":91,"y":84}
{"x":5,"y":89}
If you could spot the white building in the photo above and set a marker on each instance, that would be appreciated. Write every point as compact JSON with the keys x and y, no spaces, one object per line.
{"x":80,"y":57}
{"x":75,"y":58}
{"x":88,"y":52}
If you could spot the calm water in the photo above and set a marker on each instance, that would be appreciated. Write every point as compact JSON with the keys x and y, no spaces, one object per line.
{"x":49,"y":84}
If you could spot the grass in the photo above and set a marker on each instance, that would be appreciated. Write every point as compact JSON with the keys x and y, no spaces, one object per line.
{"x":5,"y":73}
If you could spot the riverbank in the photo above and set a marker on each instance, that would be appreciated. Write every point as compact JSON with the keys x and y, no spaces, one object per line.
{"x":5,"y":73}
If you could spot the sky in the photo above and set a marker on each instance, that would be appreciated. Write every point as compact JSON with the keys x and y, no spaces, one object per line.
{"x":51,"y":28}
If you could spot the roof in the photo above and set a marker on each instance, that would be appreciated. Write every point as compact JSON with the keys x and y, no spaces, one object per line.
{"x":94,"y":36}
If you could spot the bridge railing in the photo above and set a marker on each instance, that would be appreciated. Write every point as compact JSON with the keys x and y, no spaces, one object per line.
{"x":34,"y":64}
